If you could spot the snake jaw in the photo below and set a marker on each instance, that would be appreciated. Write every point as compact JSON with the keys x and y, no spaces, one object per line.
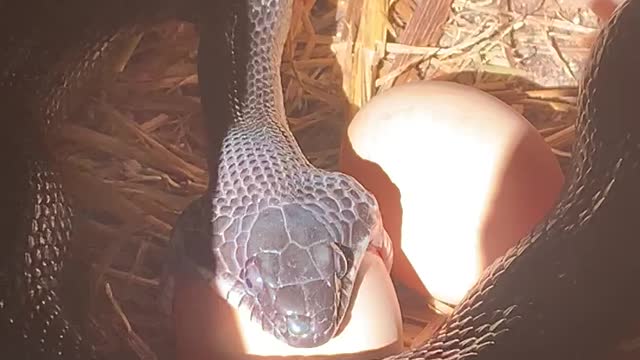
{"x":381,"y":243}
{"x":283,"y":312}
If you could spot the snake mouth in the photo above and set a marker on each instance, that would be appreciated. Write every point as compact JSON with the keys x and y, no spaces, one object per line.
{"x":302,"y":331}
{"x":302,"y":316}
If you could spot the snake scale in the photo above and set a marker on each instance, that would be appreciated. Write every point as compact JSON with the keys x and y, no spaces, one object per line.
{"x":282,"y":239}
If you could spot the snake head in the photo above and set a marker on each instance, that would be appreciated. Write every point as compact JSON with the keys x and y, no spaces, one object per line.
{"x":302,"y":259}
{"x":301,"y":312}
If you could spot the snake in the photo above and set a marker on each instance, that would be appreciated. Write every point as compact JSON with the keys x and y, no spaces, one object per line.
{"x":283,"y":240}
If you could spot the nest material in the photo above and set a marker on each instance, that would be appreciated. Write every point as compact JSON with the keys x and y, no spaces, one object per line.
{"x":135,"y":159}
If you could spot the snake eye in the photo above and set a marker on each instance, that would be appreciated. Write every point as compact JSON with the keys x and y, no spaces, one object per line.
{"x":252,"y":277}
{"x":341,"y":256}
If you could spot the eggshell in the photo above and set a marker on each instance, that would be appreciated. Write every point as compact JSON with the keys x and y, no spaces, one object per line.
{"x":460,"y":177}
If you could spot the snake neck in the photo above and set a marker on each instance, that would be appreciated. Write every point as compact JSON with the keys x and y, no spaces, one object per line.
{"x":240,"y":56}
{"x":239,"y":72}
{"x":607,"y":131}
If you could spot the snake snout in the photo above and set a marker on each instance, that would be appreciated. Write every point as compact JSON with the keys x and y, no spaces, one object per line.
{"x":305,"y":315}
{"x":300,"y":331}
{"x":299,"y":325}
{"x":298,"y":306}
{"x":306,"y":331}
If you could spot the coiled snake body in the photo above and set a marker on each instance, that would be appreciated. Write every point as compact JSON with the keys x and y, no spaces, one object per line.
{"x":282,"y":239}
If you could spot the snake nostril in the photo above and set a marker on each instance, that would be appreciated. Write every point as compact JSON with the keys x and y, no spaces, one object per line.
{"x":299,"y":325}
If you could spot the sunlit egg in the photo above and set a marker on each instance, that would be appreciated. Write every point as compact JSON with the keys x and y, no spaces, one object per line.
{"x":208,"y":328}
{"x":602,"y":8}
{"x":473,"y":175}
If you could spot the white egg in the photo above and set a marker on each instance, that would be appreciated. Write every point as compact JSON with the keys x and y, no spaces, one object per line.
{"x":473,"y":176}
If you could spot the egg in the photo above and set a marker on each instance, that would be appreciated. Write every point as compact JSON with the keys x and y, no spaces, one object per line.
{"x":459,"y":175}
{"x":208,"y":328}
{"x":602,"y":8}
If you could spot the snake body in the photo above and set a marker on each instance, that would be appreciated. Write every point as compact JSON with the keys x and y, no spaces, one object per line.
{"x":284,"y":240}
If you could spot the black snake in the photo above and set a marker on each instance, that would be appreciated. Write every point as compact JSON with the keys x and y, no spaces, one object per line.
{"x":284,"y":239}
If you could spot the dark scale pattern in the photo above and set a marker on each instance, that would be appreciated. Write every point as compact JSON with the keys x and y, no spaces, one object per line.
{"x":59,"y":50}
{"x":282,"y":239}
{"x":31,"y":304}
{"x":50,"y":233}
